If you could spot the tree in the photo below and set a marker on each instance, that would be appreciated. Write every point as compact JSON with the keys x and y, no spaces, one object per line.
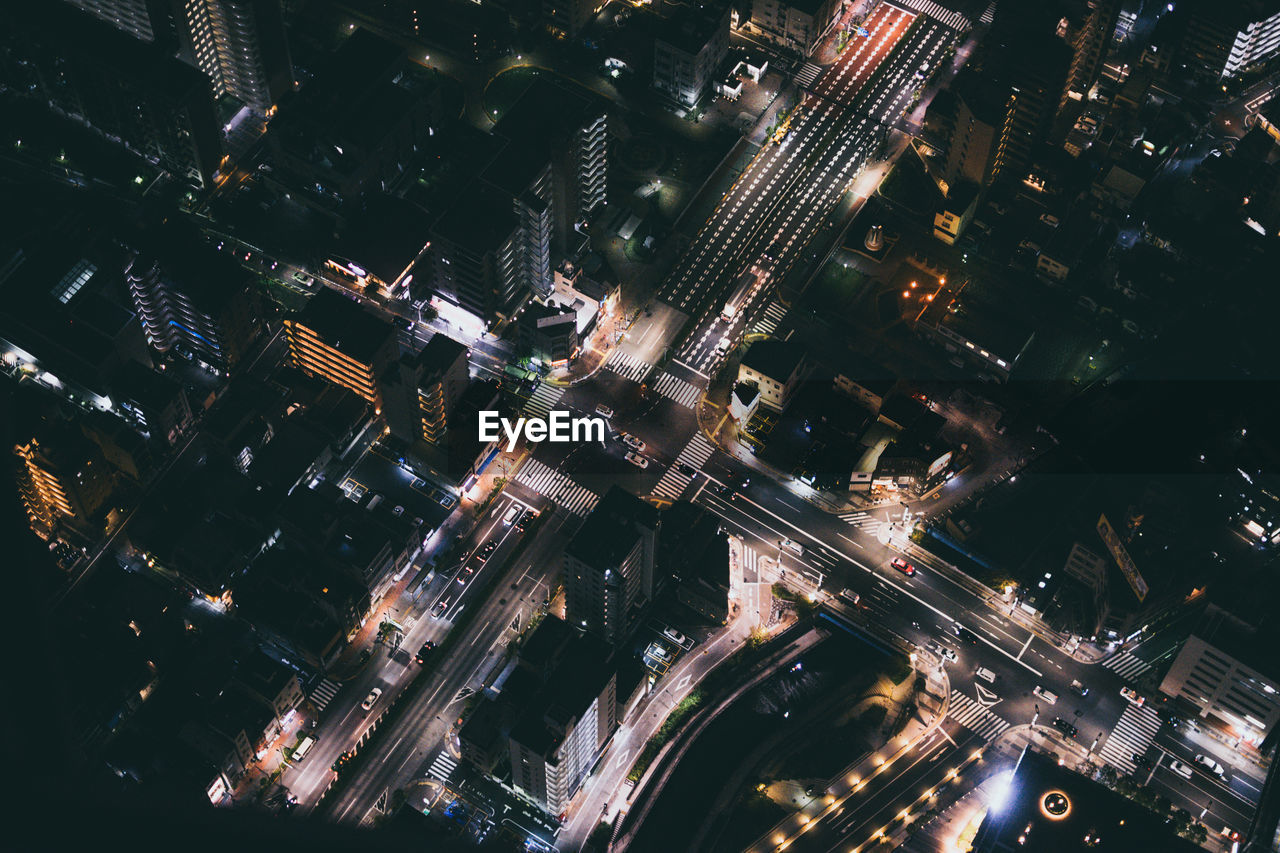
{"x":1107,"y":776}
{"x":1196,"y":834}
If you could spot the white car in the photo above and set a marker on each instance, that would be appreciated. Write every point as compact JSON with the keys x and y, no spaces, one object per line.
{"x":372,"y":698}
{"x":724,"y":346}
{"x":637,"y":460}
{"x":1212,"y":766}
{"x":793,"y":546}
{"x":942,"y":651}
{"x":634,"y":443}
{"x":985,"y":674}
{"x":1047,"y":695}
{"x":1132,"y":695}
{"x":1183,"y":770}
{"x":604,"y":411}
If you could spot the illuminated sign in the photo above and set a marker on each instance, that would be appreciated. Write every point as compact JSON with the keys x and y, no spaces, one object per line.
{"x":939,"y":465}
{"x":1122,"y":558}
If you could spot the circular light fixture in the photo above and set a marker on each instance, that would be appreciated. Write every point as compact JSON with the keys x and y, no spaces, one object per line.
{"x":1055,"y":805}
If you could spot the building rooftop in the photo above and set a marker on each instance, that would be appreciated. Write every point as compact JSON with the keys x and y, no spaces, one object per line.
{"x":346,"y":326}
{"x":690,"y":28}
{"x":439,"y":355}
{"x":386,"y":237}
{"x":610,"y":531}
{"x":775,"y":359}
{"x":1057,"y":809}
{"x":480,"y":218}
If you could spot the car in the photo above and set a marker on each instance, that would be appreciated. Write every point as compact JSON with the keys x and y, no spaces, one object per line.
{"x":942,"y":651}
{"x":1140,"y":760}
{"x":902,"y":566}
{"x":1212,"y":766}
{"x":1030,"y":246}
{"x":1047,"y":695}
{"x":398,"y":511}
{"x":466,"y":573}
{"x":1132,"y":696}
{"x":441,"y":606}
{"x":1065,"y":727}
{"x":687,"y":470}
{"x":1079,"y":689}
{"x":512,"y":515}
{"x":793,"y":546}
{"x":676,"y":637}
{"x":850,"y":596}
{"x":523,"y":521}
{"x":965,"y":635}
{"x":423,"y":652}
{"x":637,"y":460}
{"x":1183,"y":770}
{"x":634,"y":443}
{"x":486,"y":551}
{"x":985,"y":674}
{"x":372,"y":698}
{"x":723,"y":346}
{"x":1049,"y":219}
{"x":604,"y":411}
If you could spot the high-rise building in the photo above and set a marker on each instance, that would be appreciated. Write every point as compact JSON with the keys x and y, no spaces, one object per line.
{"x":1226,"y":671}
{"x":609,"y":566}
{"x":240,"y":45}
{"x":421,"y":392}
{"x":795,"y":24}
{"x":148,"y":20}
{"x":1224,"y":39}
{"x":337,"y":340}
{"x":128,"y":90}
{"x":195,"y":302}
{"x":475,"y":251}
{"x":568,"y":719}
{"x":688,"y":51}
{"x":1002,"y":106}
{"x":62,"y":479}
{"x":1089,"y":39}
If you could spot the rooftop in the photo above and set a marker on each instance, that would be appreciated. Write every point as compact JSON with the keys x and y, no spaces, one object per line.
{"x":775,"y":359}
{"x":690,"y":28}
{"x":344,"y":325}
{"x":610,"y":531}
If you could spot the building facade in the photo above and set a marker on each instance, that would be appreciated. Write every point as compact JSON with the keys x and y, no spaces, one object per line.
{"x":796,"y":25}
{"x":688,"y":52}
{"x":338,"y":341}
{"x":1219,"y":671}
{"x":609,"y":566}
{"x":240,"y":46}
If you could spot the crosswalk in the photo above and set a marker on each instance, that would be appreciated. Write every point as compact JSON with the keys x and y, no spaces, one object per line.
{"x":768,"y":323}
{"x":557,"y":486}
{"x":628,"y":366}
{"x":444,"y":765}
{"x":1133,"y":733}
{"x":941,"y":14}
{"x":1127,"y":666}
{"x":673,"y":388}
{"x":861,"y":519}
{"x":322,"y":694}
{"x":674,"y":481}
{"x":808,"y":75}
{"x":976,"y":717}
{"x":988,"y":14}
{"x":542,"y":401}
{"x":750,"y":564}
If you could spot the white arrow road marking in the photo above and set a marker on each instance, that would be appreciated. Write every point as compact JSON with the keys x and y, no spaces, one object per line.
{"x":986,"y":698}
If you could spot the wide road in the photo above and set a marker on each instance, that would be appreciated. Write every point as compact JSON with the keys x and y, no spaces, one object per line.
{"x":422,"y":729}
{"x":777,"y":205}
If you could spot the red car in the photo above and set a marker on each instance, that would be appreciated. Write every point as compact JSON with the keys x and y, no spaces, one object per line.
{"x":902,"y":566}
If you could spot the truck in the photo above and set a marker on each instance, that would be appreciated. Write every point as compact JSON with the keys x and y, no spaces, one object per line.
{"x":741,"y":295}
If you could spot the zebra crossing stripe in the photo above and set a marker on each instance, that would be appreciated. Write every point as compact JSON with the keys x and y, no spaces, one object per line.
{"x":682,"y":392}
{"x":322,"y":694}
{"x":1127,"y":666}
{"x":674,"y":481}
{"x":772,"y":317}
{"x":442,"y":768}
{"x":628,"y":367}
{"x":543,"y":400}
{"x":557,"y":487}
{"x":977,"y":718}
{"x":1133,"y":733}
